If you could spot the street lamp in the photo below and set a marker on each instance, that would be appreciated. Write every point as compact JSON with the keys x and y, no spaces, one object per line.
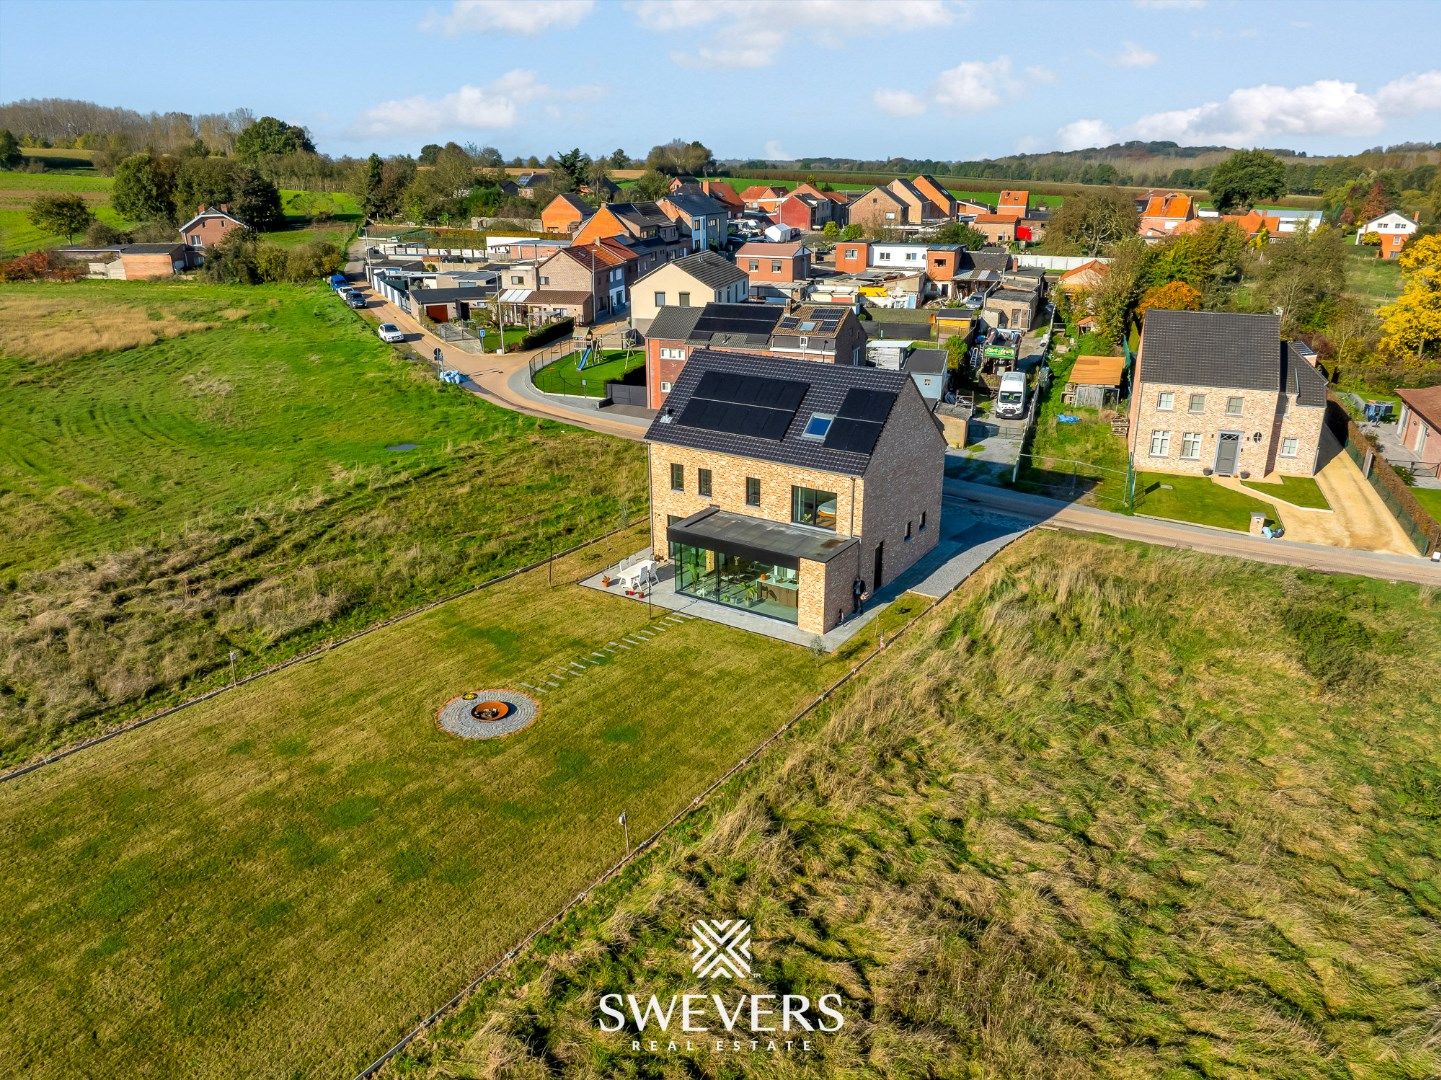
{"x":625,"y":826}
{"x":232,"y":667}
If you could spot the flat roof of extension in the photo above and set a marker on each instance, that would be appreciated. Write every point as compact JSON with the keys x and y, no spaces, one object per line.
{"x":756,"y":538}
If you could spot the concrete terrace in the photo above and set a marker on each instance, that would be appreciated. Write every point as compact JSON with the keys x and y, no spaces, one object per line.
{"x":970,"y":535}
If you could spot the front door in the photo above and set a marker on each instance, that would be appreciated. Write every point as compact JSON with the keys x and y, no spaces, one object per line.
{"x":1228,"y":452}
{"x":879,"y":568}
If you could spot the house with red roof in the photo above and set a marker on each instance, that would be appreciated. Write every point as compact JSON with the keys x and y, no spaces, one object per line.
{"x":1419,"y":427}
{"x":1163,"y":212}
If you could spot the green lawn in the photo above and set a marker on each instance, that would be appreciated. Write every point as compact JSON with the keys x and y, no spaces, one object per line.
{"x":1430,"y":500}
{"x":561,"y":376}
{"x":1197,"y":499}
{"x":244,"y":485}
{"x":279,"y":881}
{"x":1083,"y":461}
{"x":1297,"y":490}
{"x":1375,"y":281}
{"x":339,"y":214}
{"x":1107,"y":811}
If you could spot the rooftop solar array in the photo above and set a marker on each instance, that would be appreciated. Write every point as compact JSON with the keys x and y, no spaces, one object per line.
{"x":858,"y":423}
{"x":743,"y":405}
{"x":737,"y":319}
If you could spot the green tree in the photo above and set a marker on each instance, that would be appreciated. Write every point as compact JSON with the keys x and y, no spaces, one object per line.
{"x":651,"y":185}
{"x":1246,"y":178}
{"x":1115,"y":300}
{"x":66,"y":214}
{"x":831,"y":231}
{"x":429,"y":152}
{"x":853,"y":232}
{"x":681,"y":158}
{"x":570,"y":170}
{"x":619,"y":159}
{"x":958,"y":232}
{"x":257,"y":201}
{"x":1091,"y":221}
{"x":270,"y":137}
{"x":10,"y":155}
{"x":369,"y":178}
{"x":144,"y":188}
{"x":1303,"y":274}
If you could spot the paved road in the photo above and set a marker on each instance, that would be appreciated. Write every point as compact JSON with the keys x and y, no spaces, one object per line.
{"x":1387,"y":567}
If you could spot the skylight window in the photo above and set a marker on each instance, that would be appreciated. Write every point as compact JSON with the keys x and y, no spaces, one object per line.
{"x":807,"y":326}
{"x":818,"y":425}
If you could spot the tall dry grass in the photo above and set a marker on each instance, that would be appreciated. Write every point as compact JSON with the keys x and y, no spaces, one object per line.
{"x":66,"y":325}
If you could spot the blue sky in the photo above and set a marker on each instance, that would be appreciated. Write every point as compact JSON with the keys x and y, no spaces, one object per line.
{"x":948,"y":79}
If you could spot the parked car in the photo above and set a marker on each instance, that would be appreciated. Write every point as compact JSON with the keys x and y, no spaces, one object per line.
{"x":354,"y":297}
{"x":338,"y":281}
{"x":391,"y":333}
{"x":1011,"y":398}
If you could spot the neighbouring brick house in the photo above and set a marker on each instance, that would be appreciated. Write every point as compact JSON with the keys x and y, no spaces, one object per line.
{"x":209,"y":226}
{"x":1084,"y":278}
{"x":936,"y":192}
{"x":1163,"y":212}
{"x":763,"y":197}
{"x":134,"y":262}
{"x":829,"y":333}
{"x":705,"y":217}
{"x":782,"y":488}
{"x":695,"y":281}
{"x":1419,"y":426}
{"x":676,"y":332}
{"x":1014,"y":204}
{"x":643,"y":228}
{"x":880,"y":208}
{"x":919,"y":208}
{"x":564,"y":214}
{"x":1393,"y":230}
{"x":774,"y":264}
{"x":996,"y":228}
{"x":597,"y":270}
{"x":805,"y":212}
{"x":1222,"y":393}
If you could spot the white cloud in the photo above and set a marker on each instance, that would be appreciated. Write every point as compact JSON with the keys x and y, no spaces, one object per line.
{"x":1082,"y":134}
{"x":1268,"y":115}
{"x":971,"y":85}
{"x":470,"y":108}
{"x":898,"y":102}
{"x":1134,"y":56}
{"x":756,"y":32}
{"x":774,"y":151}
{"x":507,"y":16}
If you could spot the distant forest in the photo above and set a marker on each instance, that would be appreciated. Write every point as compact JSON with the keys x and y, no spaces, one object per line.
{"x":1147,"y":164}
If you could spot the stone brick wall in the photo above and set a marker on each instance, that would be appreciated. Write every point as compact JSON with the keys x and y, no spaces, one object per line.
{"x":141,"y":267}
{"x":824,"y":607}
{"x":1260,"y":412}
{"x":211,"y":230}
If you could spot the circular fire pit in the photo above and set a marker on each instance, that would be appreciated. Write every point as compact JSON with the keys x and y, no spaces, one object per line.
{"x":487,"y":714}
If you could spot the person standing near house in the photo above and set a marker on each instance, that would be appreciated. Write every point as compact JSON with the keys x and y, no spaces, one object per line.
{"x":858,"y":591}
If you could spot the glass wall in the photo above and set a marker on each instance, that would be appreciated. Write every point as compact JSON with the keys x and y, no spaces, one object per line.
{"x":760,"y":587}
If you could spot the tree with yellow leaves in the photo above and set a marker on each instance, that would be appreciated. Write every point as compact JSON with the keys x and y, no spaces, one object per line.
{"x":1411,"y":324}
{"x":1172,"y":296}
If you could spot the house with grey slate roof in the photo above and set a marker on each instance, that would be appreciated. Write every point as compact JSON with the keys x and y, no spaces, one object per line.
{"x":697,"y":280}
{"x":791,"y":489}
{"x":1222,"y":394}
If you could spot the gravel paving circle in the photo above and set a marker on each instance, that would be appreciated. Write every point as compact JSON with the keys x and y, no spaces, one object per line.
{"x":455,"y":717}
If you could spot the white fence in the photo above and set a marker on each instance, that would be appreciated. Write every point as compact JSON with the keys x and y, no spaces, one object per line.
{"x":1055,"y":262}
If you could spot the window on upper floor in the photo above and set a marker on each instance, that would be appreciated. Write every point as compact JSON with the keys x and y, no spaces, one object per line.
{"x":1198,"y":403}
{"x":660,"y":299}
{"x":753,"y":491}
{"x":702,"y":482}
{"x":683,"y":299}
{"x":677,"y":477}
{"x":810,"y":506}
{"x":1235,"y":406}
{"x":1165,"y":401}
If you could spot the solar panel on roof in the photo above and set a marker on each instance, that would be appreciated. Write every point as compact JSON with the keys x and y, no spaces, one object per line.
{"x":863,"y":404}
{"x":737,"y":404}
{"x":852,"y":435}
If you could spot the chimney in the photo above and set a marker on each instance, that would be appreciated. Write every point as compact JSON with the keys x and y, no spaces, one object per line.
{"x":202,"y":209}
{"x":225,"y":208}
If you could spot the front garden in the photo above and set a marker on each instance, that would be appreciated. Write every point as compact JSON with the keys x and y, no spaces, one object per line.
{"x":566,"y":376}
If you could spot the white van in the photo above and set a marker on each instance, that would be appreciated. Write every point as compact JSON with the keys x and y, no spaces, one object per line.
{"x":1011,"y":398}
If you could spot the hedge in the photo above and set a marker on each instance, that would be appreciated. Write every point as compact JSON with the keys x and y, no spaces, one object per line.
{"x":546,"y":334}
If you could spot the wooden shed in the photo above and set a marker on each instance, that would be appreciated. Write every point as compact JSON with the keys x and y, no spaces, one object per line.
{"x":1095,"y":381}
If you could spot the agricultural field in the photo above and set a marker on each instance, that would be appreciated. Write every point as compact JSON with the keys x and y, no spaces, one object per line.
{"x":1070,"y":825}
{"x":1374,"y":281}
{"x":190,"y":469}
{"x":279,"y":881}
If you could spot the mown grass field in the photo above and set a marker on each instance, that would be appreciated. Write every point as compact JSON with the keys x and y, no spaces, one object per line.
{"x":1430,"y":498}
{"x":562,"y":377}
{"x":1374,"y":281}
{"x":1107,"y":811}
{"x":1197,"y":499}
{"x":231,"y":471}
{"x":19,"y":189}
{"x":281,"y":880}
{"x":1298,"y":490}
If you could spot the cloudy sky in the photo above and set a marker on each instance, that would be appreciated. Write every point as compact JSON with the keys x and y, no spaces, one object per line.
{"x":948,"y":79}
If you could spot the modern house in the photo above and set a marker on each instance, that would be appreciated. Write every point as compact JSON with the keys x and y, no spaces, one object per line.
{"x":564,"y":214}
{"x":134,"y":262}
{"x":1392,"y":229}
{"x":209,"y":226}
{"x":788,"y":489}
{"x":996,"y":228}
{"x":1221,"y":393}
{"x":1419,"y":427}
{"x":705,"y":218}
{"x":774,"y":264}
{"x":644,"y":228}
{"x":695,"y":281}
{"x":677,"y":332}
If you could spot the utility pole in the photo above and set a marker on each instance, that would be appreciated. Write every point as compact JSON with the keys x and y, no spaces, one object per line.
{"x":626,"y":827}
{"x":232,"y":667}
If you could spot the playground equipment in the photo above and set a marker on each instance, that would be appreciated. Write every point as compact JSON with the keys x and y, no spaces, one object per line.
{"x":585,"y":357}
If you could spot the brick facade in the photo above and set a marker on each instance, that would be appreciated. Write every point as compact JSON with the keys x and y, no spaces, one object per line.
{"x":1274,"y":416}
{"x":209,"y":228}
{"x":899,"y":494}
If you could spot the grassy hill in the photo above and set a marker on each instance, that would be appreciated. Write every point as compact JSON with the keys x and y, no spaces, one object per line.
{"x":1107,"y":811}
{"x":188,"y":469}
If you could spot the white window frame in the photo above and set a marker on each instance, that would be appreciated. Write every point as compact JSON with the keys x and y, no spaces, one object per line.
{"x":1166,"y":401}
{"x":1290,"y":446}
{"x":1161,"y":439}
{"x":1240,"y":409}
{"x":1197,"y":403}
{"x":1190,"y":446}
{"x":665,"y":388}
